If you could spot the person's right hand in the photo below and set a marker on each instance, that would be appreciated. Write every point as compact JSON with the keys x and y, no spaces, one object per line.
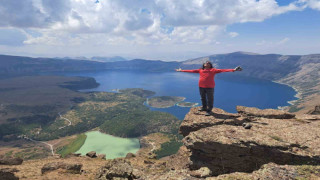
{"x":178,"y":69}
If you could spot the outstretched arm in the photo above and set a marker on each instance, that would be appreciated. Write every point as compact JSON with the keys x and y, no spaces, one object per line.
{"x":190,"y":71}
{"x":224,"y":70}
{"x":238,"y":68}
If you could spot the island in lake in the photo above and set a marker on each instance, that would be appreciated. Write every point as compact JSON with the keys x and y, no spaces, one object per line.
{"x":164,"y":101}
{"x":187,"y":104}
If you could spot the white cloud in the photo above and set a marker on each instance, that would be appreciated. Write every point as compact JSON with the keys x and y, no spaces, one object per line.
{"x":273,"y":43}
{"x":314,"y":4}
{"x":118,"y":16}
{"x":233,"y":34}
{"x":283,"y":41}
{"x":74,"y":23}
{"x":215,"y":12}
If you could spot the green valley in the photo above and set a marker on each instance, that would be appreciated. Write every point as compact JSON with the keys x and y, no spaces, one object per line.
{"x":45,"y":108}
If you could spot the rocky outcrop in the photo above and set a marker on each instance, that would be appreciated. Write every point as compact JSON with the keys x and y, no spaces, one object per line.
{"x":130,"y":155}
{"x":92,"y":154}
{"x":70,"y":168}
{"x":274,"y":171}
{"x":315,"y":111}
{"x":201,"y":173}
{"x":10,"y":161}
{"x":266,"y":113}
{"x":221,"y":142}
{"x":116,"y":169}
{"x":193,"y":122}
{"x":101,"y":156}
{"x":8,"y":173}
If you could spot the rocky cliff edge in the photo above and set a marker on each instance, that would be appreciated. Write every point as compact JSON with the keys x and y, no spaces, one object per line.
{"x":244,"y":142}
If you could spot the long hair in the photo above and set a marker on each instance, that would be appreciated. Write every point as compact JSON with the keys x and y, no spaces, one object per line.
{"x":208,"y":63}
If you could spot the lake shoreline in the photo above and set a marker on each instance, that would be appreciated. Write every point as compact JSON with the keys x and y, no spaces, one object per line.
{"x":298,"y":95}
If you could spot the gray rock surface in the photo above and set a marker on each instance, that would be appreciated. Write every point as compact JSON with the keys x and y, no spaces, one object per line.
{"x":196,"y":120}
{"x":71,"y":168}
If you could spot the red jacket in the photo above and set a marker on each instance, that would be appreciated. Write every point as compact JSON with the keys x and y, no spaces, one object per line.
{"x":207,"y":76}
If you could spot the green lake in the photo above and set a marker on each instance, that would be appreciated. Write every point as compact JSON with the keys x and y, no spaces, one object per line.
{"x":111,"y":146}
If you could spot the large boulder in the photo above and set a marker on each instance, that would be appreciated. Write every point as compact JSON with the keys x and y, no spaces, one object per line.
{"x":116,"y":169}
{"x":10,"y":161}
{"x":92,"y":154}
{"x":266,"y":113}
{"x":70,"y":168}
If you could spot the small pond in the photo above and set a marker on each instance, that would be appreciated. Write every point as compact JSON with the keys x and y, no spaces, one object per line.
{"x":111,"y":146}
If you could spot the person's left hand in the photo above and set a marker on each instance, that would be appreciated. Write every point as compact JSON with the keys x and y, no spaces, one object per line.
{"x":238,"y":68}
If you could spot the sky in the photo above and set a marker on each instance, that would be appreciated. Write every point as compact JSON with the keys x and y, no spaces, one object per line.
{"x":170,"y":30}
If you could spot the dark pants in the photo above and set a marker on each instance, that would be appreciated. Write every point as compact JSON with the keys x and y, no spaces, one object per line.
{"x":207,"y":98}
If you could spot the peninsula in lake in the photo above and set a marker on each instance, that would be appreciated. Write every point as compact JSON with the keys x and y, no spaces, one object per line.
{"x":164,"y":101}
{"x":168,"y":101}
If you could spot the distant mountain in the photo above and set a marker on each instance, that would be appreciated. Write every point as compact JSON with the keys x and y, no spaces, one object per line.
{"x":94,"y":58}
{"x":73,"y":58}
{"x":18,"y":65}
{"x":144,"y":65}
{"x":108,"y":59}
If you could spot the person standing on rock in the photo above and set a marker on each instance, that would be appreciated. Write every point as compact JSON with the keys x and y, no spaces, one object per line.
{"x":206,"y":83}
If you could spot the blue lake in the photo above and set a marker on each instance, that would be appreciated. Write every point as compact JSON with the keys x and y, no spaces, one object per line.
{"x":229,"y":92}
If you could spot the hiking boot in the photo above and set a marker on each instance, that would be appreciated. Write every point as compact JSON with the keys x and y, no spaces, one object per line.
{"x":208,"y":113}
{"x":202,"y":109}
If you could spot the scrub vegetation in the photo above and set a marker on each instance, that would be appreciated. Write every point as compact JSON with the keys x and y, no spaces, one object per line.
{"x":164,"y":101}
{"x":30,"y":103}
{"x":170,"y":147}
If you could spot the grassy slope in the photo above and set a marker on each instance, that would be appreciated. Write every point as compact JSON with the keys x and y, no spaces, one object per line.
{"x":72,"y":146}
